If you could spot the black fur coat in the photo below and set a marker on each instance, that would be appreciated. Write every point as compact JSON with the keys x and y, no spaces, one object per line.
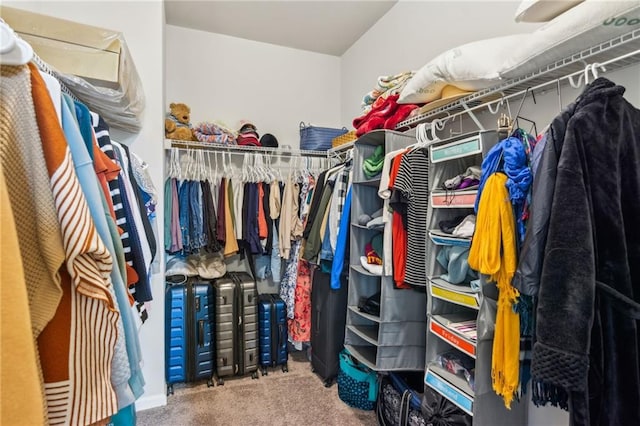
{"x":587,"y":335}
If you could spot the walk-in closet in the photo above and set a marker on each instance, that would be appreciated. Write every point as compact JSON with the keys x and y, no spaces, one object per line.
{"x":320,"y":212}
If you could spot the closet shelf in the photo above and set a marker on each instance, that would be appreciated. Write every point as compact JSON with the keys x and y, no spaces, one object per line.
{"x":616,"y":53}
{"x":459,"y":294}
{"x":369,"y":182}
{"x":240,"y":149}
{"x":373,"y":138}
{"x":453,"y":199}
{"x":454,"y":388}
{"x":363,"y":314}
{"x":377,"y":228}
{"x":457,"y":330}
{"x":364,"y":354}
{"x":361,"y":270}
{"x":442,"y":239}
{"x":366,"y":332}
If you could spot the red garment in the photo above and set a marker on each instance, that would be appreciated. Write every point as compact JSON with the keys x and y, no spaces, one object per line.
{"x":300,"y":325}
{"x":263,"y":231}
{"x":398,"y":232}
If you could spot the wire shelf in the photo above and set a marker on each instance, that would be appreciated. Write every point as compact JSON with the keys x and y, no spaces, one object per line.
{"x":616,"y":54}
{"x":243,"y":149}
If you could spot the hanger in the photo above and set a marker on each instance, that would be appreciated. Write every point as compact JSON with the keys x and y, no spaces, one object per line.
{"x":13,"y":50}
{"x":518,"y":117}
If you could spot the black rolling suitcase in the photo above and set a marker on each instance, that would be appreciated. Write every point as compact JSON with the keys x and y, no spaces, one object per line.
{"x":328,"y":318}
{"x":189,"y":332}
{"x":236,"y":327}
{"x":272,"y":329}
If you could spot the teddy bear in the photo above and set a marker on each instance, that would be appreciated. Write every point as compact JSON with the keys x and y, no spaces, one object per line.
{"x":177,"y":124}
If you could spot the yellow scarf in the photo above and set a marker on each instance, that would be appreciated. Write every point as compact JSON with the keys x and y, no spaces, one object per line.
{"x":493,"y":252}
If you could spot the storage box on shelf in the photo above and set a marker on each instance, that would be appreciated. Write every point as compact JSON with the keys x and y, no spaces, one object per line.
{"x":394,"y":339}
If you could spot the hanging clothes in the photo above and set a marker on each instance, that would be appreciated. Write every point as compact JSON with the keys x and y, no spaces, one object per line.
{"x":85,"y":324}
{"x":587,"y":314}
{"x":411,"y":192}
{"x":101,"y":130}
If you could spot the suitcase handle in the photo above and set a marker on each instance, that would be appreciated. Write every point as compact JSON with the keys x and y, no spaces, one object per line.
{"x":201,"y":333}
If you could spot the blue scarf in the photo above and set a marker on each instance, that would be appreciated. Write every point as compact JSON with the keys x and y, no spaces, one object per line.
{"x":509,"y":156}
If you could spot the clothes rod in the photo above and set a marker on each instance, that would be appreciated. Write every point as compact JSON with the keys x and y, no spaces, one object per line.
{"x":241,"y":149}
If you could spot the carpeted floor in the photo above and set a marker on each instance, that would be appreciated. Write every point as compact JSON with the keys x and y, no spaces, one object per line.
{"x":294,"y":398}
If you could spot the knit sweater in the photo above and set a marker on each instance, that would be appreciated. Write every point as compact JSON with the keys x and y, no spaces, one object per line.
{"x":78,"y":345}
{"x":16,"y":344}
{"x":29,"y":190}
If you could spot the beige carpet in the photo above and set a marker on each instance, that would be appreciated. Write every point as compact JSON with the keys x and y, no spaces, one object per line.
{"x":294,"y":398}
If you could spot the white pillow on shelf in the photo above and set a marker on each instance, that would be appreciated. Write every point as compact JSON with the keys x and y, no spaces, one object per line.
{"x":472,"y":66}
{"x":585,"y":25}
{"x":485,"y":63}
{"x":543,"y":10}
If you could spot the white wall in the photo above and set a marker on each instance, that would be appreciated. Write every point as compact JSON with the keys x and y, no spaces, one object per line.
{"x":142,"y":23}
{"x":230,"y":79}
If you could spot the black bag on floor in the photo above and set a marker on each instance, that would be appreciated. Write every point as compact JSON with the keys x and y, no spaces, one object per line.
{"x":439,"y":411}
{"x":398,"y":404}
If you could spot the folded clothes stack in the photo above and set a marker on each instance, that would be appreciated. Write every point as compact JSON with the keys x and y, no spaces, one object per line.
{"x":455,"y":362}
{"x":385,"y":113}
{"x":248,"y":134}
{"x":372,"y":260}
{"x":460,"y":226}
{"x":372,"y":166}
{"x":214,"y":133}
{"x":470,"y":179}
{"x":372,"y":221}
{"x":385,"y":86}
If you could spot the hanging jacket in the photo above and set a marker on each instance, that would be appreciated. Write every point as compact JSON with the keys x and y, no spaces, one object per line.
{"x":587,"y":333}
{"x":527,"y":278}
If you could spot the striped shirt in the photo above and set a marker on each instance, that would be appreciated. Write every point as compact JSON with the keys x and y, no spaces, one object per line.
{"x":411,"y":188}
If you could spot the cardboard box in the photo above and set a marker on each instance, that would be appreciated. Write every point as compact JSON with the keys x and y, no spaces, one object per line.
{"x":89,"y":52}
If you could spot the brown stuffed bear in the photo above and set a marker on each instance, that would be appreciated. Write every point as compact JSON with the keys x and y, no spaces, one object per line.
{"x":177,"y":124}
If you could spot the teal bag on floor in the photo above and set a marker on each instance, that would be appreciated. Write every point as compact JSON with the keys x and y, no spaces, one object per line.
{"x":357,"y":383}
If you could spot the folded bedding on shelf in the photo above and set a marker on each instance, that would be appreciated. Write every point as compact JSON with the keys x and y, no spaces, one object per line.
{"x":385,"y":86}
{"x":214,"y":133}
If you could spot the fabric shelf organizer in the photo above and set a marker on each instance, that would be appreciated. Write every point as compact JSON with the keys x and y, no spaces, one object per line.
{"x":318,"y":138}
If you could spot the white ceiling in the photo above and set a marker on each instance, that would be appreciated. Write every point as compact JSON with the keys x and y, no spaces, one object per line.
{"x":329,"y":27}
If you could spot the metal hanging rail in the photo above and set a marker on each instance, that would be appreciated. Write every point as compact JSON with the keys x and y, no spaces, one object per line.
{"x":243,"y":149}
{"x":616,"y":53}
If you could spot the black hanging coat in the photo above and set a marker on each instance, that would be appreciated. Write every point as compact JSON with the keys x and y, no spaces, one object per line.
{"x":587,"y":336}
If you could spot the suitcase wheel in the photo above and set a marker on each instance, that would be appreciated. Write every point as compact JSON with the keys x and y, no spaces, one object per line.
{"x":209,"y":383}
{"x":220,"y":381}
{"x":254,"y":375}
{"x":265,"y":372}
{"x":327,"y":383}
{"x":285,"y":368}
{"x":169,"y":390}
